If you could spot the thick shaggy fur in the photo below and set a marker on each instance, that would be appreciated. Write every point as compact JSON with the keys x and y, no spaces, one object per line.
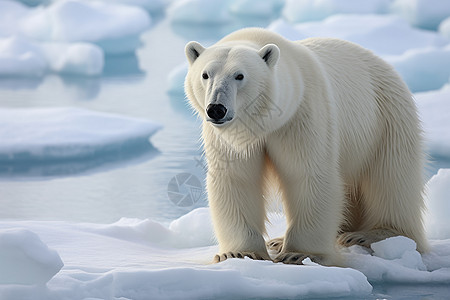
{"x":333,"y":122}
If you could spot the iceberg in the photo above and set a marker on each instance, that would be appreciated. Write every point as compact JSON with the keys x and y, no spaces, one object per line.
{"x":297,"y":11}
{"x":383,"y":34}
{"x":199,"y":12}
{"x":55,"y":134}
{"x":435,"y":115}
{"x":96,"y":22}
{"x":426,"y":14}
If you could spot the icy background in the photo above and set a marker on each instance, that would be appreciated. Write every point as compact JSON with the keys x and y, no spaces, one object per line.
{"x":92,"y":210}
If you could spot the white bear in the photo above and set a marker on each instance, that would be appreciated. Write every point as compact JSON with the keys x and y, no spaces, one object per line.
{"x":331,"y":123}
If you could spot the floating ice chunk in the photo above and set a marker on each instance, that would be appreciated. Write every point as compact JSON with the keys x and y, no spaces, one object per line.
{"x":176,"y":79}
{"x":262,"y":9}
{"x":74,"y":58}
{"x":88,"y":21}
{"x":393,"y":248}
{"x":150,"y":5}
{"x":434,"y":109}
{"x":444,"y":28}
{"x":199,"y":11}
{"x":383,"y":34}
{"x":25,"y":259}
{"x":297,"y":11}
{"x":425,"y":14}
{"x":438,"y":204}
{"x":423,"y":69}
{"x":11,"y":13}
{"x":67,"y":133}
{"x":19,"y":57}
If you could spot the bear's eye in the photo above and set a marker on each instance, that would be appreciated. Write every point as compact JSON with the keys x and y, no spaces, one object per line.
{"x":239,"y":77}
{"x":205,"y":76}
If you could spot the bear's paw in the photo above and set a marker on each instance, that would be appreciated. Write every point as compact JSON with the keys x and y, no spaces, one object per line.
{"x":240,"y":254}
{"x":296,"y":258}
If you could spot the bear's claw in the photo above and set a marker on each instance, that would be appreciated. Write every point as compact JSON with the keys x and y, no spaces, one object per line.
{"x":275,"y":245}
{"x":295,"y":258}
{"x":224,"y":256}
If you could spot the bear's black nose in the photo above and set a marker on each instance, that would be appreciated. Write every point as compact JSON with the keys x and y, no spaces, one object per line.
{"x":216,"y":111}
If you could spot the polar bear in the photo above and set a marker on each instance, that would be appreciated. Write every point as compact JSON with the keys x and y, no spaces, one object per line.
{"x":327,"y":121}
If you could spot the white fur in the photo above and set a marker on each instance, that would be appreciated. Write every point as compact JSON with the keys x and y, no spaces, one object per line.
{"x":334,"y":122}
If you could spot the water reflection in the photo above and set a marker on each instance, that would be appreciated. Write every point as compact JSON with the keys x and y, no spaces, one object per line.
{"x":20,"y":83}
{"x":25,"y":170}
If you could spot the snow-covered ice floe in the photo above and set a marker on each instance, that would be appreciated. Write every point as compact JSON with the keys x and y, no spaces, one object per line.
{"x":219,"y":12}
{"x":51,"y":134}
{"x":421,"y":57}
{"x":434,"y":111}
{"x":144,"y":259}
{"x":114,"y":27}
{"x":297,"y":11}
{"x":67,"y":37}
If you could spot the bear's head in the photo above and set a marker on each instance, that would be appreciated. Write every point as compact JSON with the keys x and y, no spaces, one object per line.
{"x":230,"y":85}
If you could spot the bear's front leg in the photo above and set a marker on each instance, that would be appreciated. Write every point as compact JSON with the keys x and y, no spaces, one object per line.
{"x":234,"y":187}
{"x":313,"y":206}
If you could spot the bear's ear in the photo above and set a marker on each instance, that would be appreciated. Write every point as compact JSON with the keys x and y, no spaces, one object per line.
{"x":270,"y":53}
{"x":193,"y":51}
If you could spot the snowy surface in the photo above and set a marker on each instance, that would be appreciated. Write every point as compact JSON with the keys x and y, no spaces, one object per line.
{"x":25,"y":259}
{"x":73,"y":21}
{"x":438,"y":221}
{"x":425,"y":14}
{"x":67,"y":37}
{"x":67,"y":133}
{"x":136,"y":259}
{"x":297,"y":11}
{"x":199,"y":11}
{"x":434,"y":110}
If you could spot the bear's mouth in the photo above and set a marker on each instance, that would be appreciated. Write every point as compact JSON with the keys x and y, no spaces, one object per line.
{"x":220,"y":122}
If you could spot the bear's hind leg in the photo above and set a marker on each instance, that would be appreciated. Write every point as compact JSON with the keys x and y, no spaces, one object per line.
{"x":392,"y":184}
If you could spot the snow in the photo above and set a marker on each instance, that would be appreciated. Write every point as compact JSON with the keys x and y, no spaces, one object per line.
{"x":383,"y":34}
{"x":60,"y":38}
{"x":435,"y":115}
{"x":199,"y":12}
{"x":176,"y":79}
{"x":219,"y":12}
{"x":444,"y":28}
{"x":421,"y":57}
{"x":423,"y":69}
{"x":153,"y":6}
{"x":73,"y":20}
{"x":67,"y":133}
{"x":438,"y":221}
{"x":25,"y":259}
{"x":138,"y":259}
{"x":297,"y":11}
{"x":261,"y":9}
{"x":425,"y":14}
{"x":22,"y":57}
